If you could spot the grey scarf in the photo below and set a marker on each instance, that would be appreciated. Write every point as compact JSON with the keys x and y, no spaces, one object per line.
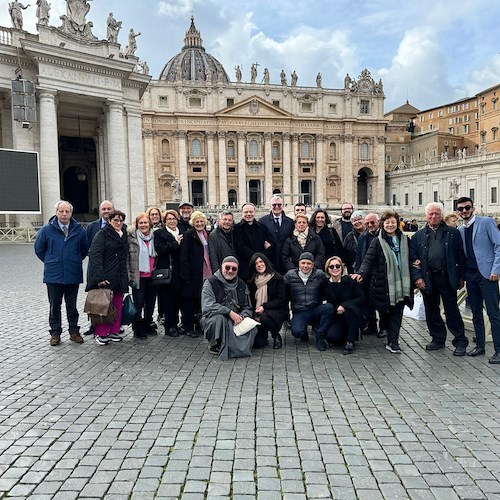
{"x":398,"y":277}
{"x":144,"y":251}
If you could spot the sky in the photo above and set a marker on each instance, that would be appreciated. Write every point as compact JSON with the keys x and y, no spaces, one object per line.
{"x":429,"y":52}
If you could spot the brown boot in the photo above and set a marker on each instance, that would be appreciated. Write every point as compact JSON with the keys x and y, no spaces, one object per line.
{"x":74,"y":335}
{"x":55,"y":340}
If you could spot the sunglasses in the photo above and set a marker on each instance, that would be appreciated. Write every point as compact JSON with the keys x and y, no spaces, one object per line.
{"x":231,"y":268}
{"x":464,"y":209}
{"x":334,"y":266}
{"x":274,"y":205}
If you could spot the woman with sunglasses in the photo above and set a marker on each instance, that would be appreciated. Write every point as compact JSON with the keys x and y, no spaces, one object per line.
{"x":267,"y":293}
{"x":387,"y":263}
{"x":348,"y":300}
{"x":108,"y":269}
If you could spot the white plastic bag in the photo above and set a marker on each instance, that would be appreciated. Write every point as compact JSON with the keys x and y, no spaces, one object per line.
{"x":418,"y":311}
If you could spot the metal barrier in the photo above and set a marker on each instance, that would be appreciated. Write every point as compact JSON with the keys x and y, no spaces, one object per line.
{"x":18,"y":234}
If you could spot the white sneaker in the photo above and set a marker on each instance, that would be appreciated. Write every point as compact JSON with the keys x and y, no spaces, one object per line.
{"x":101,"y":340}
{"x":114,"y":337}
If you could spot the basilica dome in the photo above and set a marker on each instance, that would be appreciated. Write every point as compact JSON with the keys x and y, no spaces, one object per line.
{"x":193,"y":63}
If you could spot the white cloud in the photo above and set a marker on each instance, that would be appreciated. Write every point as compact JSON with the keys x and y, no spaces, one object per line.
{"x":176,"y":9}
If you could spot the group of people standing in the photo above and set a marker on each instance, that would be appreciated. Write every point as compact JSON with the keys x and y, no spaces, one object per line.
{"x":343,"y":279}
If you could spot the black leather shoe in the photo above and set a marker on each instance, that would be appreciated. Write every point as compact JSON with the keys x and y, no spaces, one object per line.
{"x":305,"y":338}
{"x":459,"y":351}
{"x":477,"y":351}
{"x":381,"y":334}
{"x":348,"y":348}
{"x":321,"y":344}
{"x":495,"y":359}
{"x":277,"y":342}
{"x":434,"y":346}
{"x":172,"y":332}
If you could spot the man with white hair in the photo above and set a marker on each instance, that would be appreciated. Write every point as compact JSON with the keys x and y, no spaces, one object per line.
{"x":61,"y":245}
{"x":280,"y":227}
{"x":438,"y":268}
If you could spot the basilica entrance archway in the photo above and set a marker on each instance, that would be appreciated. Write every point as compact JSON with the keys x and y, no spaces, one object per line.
{"x":364,"y":186}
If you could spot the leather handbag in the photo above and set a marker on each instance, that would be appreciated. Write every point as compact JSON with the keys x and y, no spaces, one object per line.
{"x":161,"y":277}
{"x":129,"y":311}
{"x":99,"y":306}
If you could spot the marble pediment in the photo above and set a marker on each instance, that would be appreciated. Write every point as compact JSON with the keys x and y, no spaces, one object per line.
{"x":254,"y":107}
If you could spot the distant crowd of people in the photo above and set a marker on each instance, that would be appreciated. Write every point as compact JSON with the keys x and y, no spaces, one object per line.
{"x":239,"y":283}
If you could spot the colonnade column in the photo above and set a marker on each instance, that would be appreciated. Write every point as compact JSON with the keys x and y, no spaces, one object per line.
{"x":286,"y":168}
{"x":49,"y":153}
{"x":349,"y":177}
{"x":320,"y":170}
{"x":242,"y":178}
{"x":223,"y":194}
{"x":6,"y":120}
{"x":212,"y":181}
{"x":268,"y":168}
{"x":118,"y":177}
{"x":183,"y":174}
{"x":149,"y":163}
{"x":295,"y":167}
{"x":136,"y":161}
{"x":378,"y":191}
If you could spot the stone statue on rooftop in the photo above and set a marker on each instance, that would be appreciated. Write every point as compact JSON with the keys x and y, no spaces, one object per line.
{"x":294,"y":78}
{"x":265,"y":79}
{"x":253,"y":73}
{"x":318,"y":80}
{"x":283,"y":77}
{"x":132,"y":43}
{"x":114,"y":28}
{"x":238,"y":73}
{"x":42,"y":12}
{"x":16,"y":14}
{"x":347,"y":81}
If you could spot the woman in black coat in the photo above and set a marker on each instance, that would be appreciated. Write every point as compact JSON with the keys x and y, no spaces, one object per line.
{"x":167,"y":244}
{"x":319,"y":224}
{"x":303,"y":239}
{"x":387,"y":263}
{"x":348,"y":300}
{"x":108,"y":269}
{"x":267,"y":293}
{"x":194,"y":270}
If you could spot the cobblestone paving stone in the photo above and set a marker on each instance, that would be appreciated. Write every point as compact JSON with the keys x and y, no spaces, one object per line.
{"x":162,"y":418}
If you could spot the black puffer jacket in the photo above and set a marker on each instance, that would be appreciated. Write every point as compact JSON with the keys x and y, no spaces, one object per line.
{"x":168,"y":251}
{"x":108,"y":260}
{"x":292,"y":250}
{"x":374,"y":267}
{"x":310,"y":295}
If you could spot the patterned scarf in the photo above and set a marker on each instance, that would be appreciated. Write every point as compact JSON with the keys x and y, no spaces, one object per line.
{"x":301,"y":237}
{"x":145,"y":250}
{"x":207,"y":269}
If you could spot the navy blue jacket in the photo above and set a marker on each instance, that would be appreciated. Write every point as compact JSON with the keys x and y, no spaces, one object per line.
{"x":279,"y":234}
{"x":62,"y":257}
{"x":92,"y":229}
{"x":453,"y":254}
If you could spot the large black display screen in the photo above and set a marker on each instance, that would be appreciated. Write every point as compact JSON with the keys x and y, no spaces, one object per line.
{"x":19,"y":182}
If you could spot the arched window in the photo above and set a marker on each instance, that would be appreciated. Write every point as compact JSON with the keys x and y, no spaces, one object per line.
{"x":305,"y":150}
{"x":333,"y":151}
{"x":363,"y":151}
{"x":253,"y":149}
{"x":231,"y":154}
{"x":276,"y":150}
{"x":196,"y":148}
{"x":165,"y":148}
{"x":232,"y":197}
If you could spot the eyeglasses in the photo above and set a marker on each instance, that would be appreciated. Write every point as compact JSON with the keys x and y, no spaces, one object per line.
{"x":231,"y":268}
{"x":464,"y":209}
{"x":334,"y":266}
{"x":274,"y":205}
{"x":170,"y":218}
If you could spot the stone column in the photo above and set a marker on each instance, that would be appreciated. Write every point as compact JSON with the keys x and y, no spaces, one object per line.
{"x":378,"y":191}
{"x":242,"y":178}
{"x":148,"y":136}
{"x":49,"y":153}
{"x":286,"y":168}
{"x":268,"y":168}
{"x":183,"y":167}
{"x":348,"y":175}
{"x":136,"y":162}
{"x":101,"y":159}
{"x":118,"y":174}
{"x":320,"y":170}
{"x":223,"y":195}
{"x":6,"y":120}
{"x":212,"y":198}
{"x":295,"y":167}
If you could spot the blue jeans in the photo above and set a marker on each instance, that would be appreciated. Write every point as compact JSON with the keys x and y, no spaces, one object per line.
{"x":480,"y":290}
{"x":320,"y":316}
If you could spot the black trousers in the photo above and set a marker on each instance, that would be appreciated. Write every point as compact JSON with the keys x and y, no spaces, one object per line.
{"x":144,"y":299}
{"x":344,"y":328}
{"x":191,"y":311}
{"x":442,"y":291}
{"x":56,"y":293}
{"x":392,"y":321}
{"x":171,"y":299}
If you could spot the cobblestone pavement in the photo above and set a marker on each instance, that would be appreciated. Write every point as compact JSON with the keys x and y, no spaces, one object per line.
{"x":162,"y":418}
